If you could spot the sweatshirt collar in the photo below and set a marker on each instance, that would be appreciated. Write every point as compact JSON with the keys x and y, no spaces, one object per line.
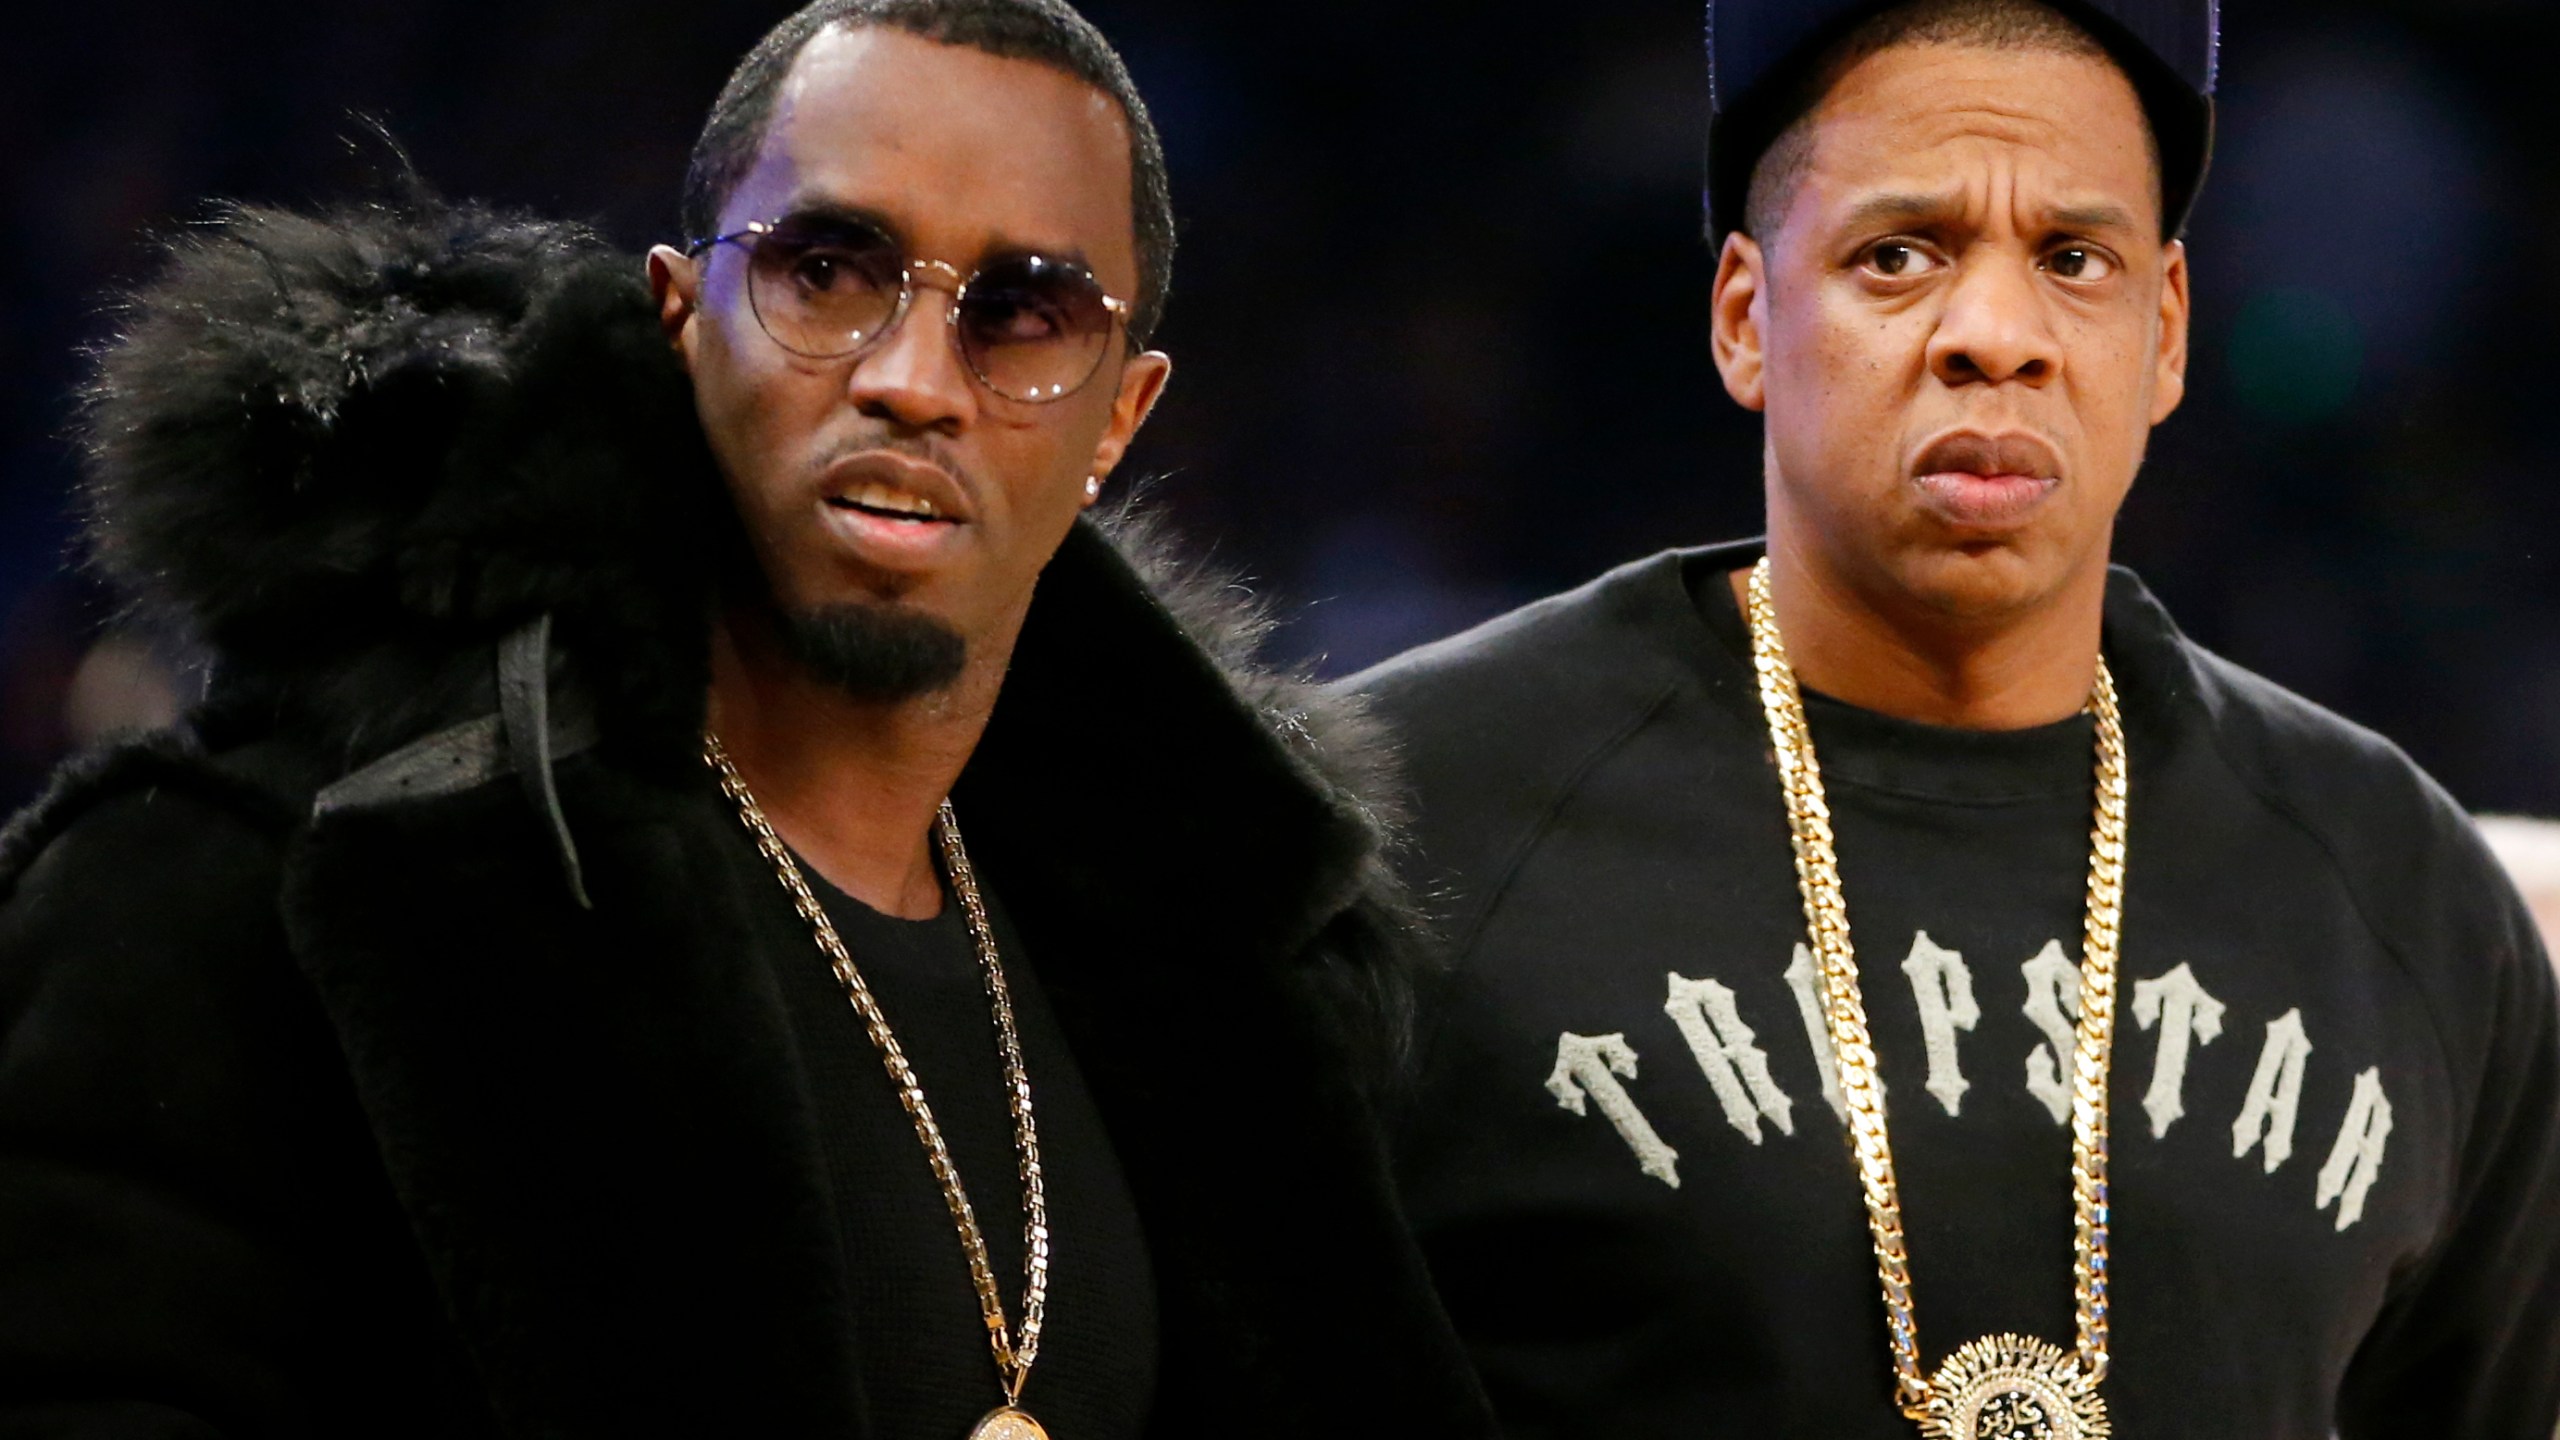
{"x":1866,"y":748}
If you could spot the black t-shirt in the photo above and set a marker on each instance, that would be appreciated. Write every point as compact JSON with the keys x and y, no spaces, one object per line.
{"x":926,"y":1369}
{"x":2336,"y":1091}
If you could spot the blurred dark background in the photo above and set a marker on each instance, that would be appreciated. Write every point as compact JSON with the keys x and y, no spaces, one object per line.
{"x":1440,"y":310}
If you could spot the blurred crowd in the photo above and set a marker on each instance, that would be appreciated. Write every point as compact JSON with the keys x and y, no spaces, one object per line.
{"x":1439,"y":318}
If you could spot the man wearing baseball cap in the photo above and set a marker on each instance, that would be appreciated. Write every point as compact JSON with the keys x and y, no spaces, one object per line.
{"x":1899,"y":979}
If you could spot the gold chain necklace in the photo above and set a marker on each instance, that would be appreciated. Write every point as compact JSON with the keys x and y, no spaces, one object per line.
{"x":2000,"y":1386}
{"x":1014,"y":1349}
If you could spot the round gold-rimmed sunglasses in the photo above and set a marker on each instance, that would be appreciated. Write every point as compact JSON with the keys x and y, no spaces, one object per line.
{"x":1032,"y":328}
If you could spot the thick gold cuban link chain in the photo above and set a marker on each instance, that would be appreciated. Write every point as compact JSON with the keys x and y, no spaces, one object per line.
{"x":2004,"y":1377}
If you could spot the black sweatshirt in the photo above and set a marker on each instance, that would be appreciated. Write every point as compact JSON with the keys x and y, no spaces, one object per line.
{"x":2336,"y":1082}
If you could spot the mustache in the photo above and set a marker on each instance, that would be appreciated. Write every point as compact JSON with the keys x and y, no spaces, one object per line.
{"x":930,"y":449}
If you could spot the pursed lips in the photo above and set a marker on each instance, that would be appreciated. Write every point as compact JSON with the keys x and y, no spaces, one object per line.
{"x":1976,"y":481}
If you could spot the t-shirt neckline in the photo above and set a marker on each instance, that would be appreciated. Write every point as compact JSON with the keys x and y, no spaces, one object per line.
{"x":850,"y":912}
{"x":1870,"y":750}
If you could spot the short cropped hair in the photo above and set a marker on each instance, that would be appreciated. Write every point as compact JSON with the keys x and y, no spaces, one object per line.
{"x":1047,"y":32}
{"x":1982,"y":24}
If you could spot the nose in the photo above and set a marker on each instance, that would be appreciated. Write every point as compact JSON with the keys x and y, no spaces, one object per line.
{"x":1995,"y":328}
{"x":914,"y":378}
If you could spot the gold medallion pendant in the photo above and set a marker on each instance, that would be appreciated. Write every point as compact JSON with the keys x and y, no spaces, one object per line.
{"x":1007,"y":1423}
{"x":2013,"y":1387}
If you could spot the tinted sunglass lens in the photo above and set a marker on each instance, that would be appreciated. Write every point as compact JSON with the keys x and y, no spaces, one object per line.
{"x":825,"y":288}
{"x":1034,"y":329}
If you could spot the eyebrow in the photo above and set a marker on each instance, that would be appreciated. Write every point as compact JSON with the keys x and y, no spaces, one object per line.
{"x":1896,"y":206}
{"x":816,"y":205}
{"x":2100,"y":215}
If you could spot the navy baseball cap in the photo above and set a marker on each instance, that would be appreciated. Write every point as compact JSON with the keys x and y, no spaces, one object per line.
{"x":1756,"y":51}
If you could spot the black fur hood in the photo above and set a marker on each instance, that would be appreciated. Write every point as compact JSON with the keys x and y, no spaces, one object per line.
{"x":350,"y":452}
{"x":346,"y":452}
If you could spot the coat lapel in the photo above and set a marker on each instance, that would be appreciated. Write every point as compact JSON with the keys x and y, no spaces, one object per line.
{"x":1190,"y":886}
{"x":593,"y":1117}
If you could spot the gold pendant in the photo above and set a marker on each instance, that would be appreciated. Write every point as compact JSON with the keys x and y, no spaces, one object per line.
{"x":1007,"y":1423}
{"x":2011,"y":1387}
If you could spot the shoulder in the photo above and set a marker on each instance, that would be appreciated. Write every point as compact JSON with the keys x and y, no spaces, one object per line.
{"x":2379,"y":816}
{"x":1523,"y":691}
{"x":1494,"y":727}
{"x":149,"y":995}
{"x":2394,"y":834}
{"x":151,"y":837}
{"x":1548,"y":649}
{"x":159,"y":1044}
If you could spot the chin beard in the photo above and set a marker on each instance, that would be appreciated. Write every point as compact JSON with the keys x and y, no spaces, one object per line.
{"x":876,"y":653}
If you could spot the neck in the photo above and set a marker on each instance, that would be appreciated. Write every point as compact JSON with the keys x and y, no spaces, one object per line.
{"x":852,"y":786}
{"x":1898,"y":655}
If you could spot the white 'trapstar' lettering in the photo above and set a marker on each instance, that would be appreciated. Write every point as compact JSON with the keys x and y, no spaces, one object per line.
{"x":1817,"y":1032}
{"x":2275,"y":1092}
{"x":1943,"y":988}
{"x":1735,"y":1066}
{"x":1591,"y":1066}
{"x":2183,"y":1011}
{"x":2357,"y":1157}
{"x":2053,"y":1006}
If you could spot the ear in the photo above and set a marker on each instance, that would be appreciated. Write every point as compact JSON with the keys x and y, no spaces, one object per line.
{"x":1737,"y":320}
{"x":1142,"y":383}
{"x":2169,"y":384}
{"x":676,"y":285}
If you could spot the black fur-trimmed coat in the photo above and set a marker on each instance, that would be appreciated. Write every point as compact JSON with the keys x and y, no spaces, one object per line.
{"x":332,"y":1104}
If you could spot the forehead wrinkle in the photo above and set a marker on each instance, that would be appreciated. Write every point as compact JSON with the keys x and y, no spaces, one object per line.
{"x":1909,"y":206}
{"x":2036,"y":187}
{"x":1856,"y":140}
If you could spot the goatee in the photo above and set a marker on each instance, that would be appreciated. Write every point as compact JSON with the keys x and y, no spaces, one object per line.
{"x":877,"y":653}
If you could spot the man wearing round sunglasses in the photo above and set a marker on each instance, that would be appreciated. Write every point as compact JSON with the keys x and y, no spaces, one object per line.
{"x":827,"y":286}
{"x":705,"y":897}
{"x":1902,"y":985}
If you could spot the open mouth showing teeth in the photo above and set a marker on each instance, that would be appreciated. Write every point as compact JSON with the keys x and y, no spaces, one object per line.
{"x":889,"y":504}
